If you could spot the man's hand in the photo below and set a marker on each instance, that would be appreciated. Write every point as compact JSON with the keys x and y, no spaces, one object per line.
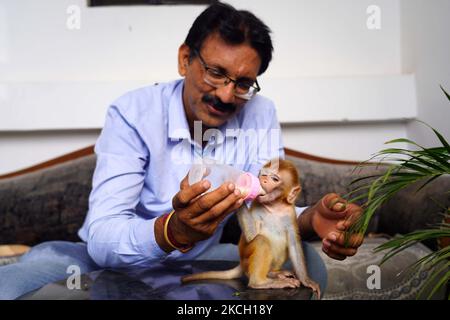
{"x":330,"y":218}
{"x":197,"y":216}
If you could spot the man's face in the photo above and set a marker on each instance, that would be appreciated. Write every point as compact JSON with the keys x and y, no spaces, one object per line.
{"x":203,"y":102}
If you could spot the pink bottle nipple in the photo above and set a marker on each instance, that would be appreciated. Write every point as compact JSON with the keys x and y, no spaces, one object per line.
{"x":249,"y":184}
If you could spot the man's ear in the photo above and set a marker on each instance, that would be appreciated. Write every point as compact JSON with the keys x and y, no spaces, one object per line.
{"x":183,"y":59}
{"x":293,"y":194}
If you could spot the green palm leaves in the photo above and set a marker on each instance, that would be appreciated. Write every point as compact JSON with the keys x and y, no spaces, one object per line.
{"x":403,"y":168}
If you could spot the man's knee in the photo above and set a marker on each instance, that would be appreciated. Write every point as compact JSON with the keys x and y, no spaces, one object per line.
{"x":39,"y":251}
{"x":20,"y":278}
{"x":45,"y":263}
{"x":65,"y":252}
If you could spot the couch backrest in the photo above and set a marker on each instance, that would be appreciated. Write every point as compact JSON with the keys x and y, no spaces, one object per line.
{"x":50,"y":203}
{"x":47,"y":204}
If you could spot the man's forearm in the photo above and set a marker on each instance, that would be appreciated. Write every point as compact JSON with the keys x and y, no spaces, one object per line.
{"x":120,"y":241}
{"x":304,"y":222}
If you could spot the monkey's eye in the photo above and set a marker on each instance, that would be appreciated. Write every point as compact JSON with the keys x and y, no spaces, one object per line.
{"x":275,"y":179}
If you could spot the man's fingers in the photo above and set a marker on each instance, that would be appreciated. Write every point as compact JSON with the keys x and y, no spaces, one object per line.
{"x":353,"y":212}
{"x":326,"y":247}
{"x":236,"y":205}
{"x":338,"y":250}
{"x":334,"y":202}
{"x":332,"y":206}
{"x":185,"y":182}
{"x":231,"y":209}
{"x":354,"y":241}
{"x":219,"y":211}
{"x":184,"y":196}
{"x":209,"y":200}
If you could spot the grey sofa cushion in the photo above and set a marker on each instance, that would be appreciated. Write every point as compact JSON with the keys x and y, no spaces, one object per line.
{"x":347,"y":280}
{"x":48,"y":204}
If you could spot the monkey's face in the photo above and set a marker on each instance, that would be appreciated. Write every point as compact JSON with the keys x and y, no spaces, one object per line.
{"x":272,"y":182}
{"x":280,"y":181}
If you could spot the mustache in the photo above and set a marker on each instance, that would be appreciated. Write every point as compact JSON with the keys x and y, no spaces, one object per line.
{"x":218,"y":104}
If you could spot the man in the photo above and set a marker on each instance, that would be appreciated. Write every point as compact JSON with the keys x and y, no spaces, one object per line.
{"x":150,"y":138}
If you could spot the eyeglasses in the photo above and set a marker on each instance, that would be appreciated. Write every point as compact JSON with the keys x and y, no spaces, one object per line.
{"x":243,"y":88}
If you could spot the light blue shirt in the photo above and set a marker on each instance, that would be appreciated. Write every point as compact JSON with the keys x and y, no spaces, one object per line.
{"x":144,"y":151}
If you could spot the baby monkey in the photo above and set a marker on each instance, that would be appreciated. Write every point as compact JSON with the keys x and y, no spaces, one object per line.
{"x":269,"y":235}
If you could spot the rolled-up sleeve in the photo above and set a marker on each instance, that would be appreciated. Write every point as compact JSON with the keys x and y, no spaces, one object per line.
{"x":116,"y":235}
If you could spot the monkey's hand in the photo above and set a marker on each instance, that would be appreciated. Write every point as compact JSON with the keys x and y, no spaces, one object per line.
{"x":307,"y":282}
{"x":331,"y":217}
{"x":198,"y":215}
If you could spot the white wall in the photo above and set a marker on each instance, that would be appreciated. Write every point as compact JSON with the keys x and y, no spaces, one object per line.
{"x":312,"y":38}
{"x":53,"y":78}
{"x":22,"y":149}
{"x":426,"y":52}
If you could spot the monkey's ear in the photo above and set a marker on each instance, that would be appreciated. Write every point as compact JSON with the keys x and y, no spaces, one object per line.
{"x":293,"y":194}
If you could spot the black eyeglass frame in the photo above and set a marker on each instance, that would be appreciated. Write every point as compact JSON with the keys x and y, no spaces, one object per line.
{"x":246,"y":96}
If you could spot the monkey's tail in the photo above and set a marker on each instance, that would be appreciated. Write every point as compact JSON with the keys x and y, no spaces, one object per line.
{"x":223,"y":275}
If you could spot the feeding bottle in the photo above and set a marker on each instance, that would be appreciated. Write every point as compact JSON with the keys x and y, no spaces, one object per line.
{"x":217,"y":173}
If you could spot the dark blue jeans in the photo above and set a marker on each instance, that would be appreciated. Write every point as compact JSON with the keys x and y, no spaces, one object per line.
{"x":48,"y":262}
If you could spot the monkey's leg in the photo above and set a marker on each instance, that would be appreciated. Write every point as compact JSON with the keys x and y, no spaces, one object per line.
{"x":260,"y":259}
{"x":281,"y":274}
{"x":277,"y":273}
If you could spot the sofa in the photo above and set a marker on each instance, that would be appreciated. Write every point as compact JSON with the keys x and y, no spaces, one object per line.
{"x":49,"y":201}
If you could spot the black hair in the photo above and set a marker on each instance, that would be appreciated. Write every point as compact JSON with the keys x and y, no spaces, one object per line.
{"x":234,"y":27}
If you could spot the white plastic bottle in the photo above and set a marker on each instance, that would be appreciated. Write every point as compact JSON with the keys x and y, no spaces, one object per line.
{"x":218,"y":173}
